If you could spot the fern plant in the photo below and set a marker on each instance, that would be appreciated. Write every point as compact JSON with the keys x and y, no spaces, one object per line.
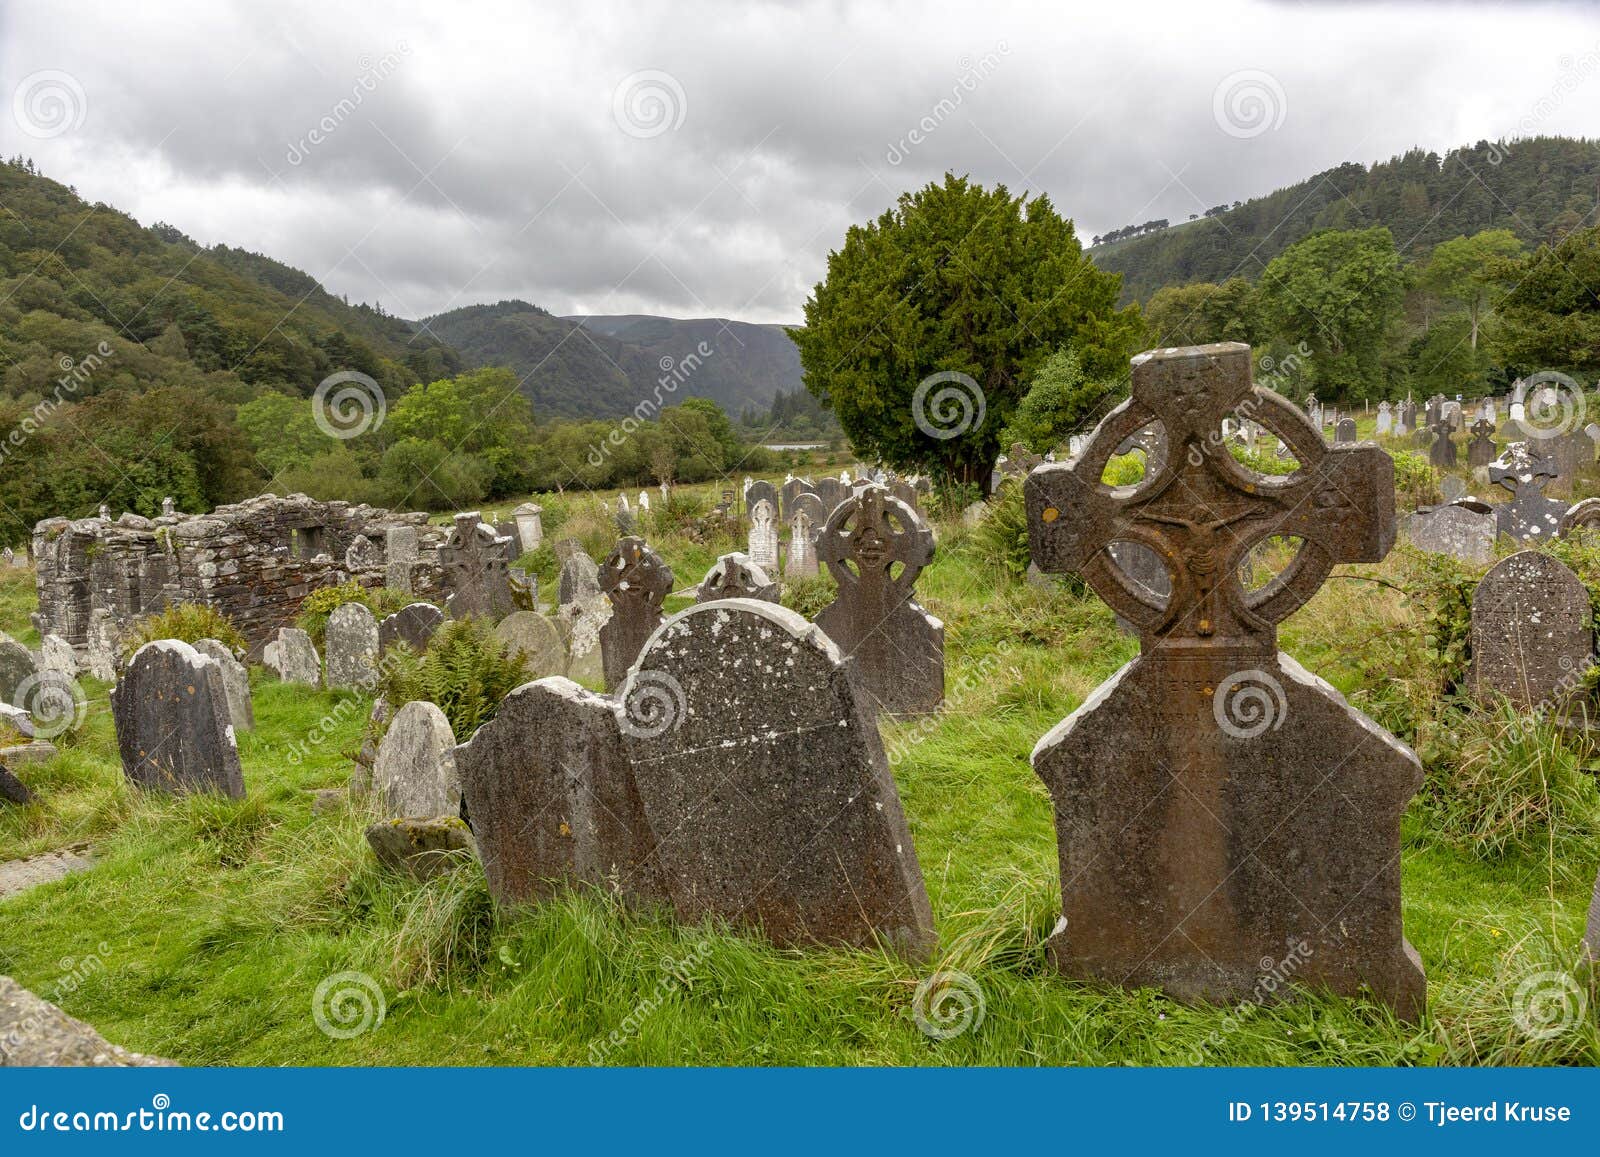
{"x":466,"y":671}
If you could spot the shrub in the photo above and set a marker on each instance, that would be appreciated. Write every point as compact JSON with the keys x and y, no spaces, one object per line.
{"x":466,"y":671}
{"x":1001,"y":539}
{"x":190,"y":622}
{"x":807,"y":596}
{"x":321,"y":603}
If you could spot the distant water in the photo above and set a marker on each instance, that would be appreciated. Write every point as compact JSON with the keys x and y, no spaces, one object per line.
{"x":795,"y":446}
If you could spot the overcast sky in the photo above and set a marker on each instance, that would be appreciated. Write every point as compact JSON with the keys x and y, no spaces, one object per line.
{"x":699,"y":159}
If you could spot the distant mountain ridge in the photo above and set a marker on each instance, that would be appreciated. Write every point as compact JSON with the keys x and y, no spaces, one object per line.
{"x":602,"y":366}
{"x":1540,"y":188}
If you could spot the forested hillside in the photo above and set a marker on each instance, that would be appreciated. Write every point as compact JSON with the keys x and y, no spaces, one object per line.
{"x":1540,"y":189}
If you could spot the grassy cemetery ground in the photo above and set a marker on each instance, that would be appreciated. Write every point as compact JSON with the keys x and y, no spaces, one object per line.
{"x":210,"y":923}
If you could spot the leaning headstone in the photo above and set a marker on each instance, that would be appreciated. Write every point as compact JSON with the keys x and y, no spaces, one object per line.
{"x":580,"y":579}
{"x":552,"y":797}
{"x":235,"y":682}
{"x":1529,"y":516}
{"x":400,"y":552}
{"x":537,"y":639}
{"x":292,"y":656}
{"x":1223,"y":837}
{"x":1480,"y":447}
{"x":735,"y":576}
{"x":1465,"y":532}
{"x":636,"y":581}
{"x":1344,"y":431}
{"x":351,"y":646}
{"x":1532,"y":631}
{"x":761,"y":773}
{"x":415,"y":768}
{"x":474,"y":560}
{"x":897,"y":647}
{"x":171,"y":714}
{"x":18,"y":669}
{"x":413,"y":625}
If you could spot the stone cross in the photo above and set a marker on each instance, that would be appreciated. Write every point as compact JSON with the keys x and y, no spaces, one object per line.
{"x":897,"y":646}
{"x":1442,"y":451}
{"x":636,"y":581}
{"x":1203,"y":795}
{"x":474,"y":560}
{"x":736,"y":576}
{"x":1480,"y":449}
{"x":1529,"y":514}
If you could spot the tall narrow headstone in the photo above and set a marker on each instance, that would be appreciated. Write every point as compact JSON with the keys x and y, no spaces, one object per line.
{"x":1250,"y":814}
{"x":400,"y":555}
{"x":1385,"y":418}
{"x":351,"y":647}
{"x":763,"y":535}
{"x":171,"y":716}
{"x":806,"y":518}
{"x":635,"y":579}
{"x":1532,"y":631}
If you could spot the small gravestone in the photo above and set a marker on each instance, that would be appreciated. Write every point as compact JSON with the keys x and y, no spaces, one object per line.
{"x":351,"y":647}
{"x":1582,"y":519}
{"x":806,"y":518}
{"x":235,"y":682}
{"x":1532,"y":631}
{"x":17,"y":668}
{"x":760,"y":771}
{"x":537,"y":639}
{"x":529,"y":518}
{"x":363,"y":554}
{"x":56,"y":655}
{"x":474,"y":560}
{"x":292,"y":656}
{"x":760,"y":491}
{"x":582,"y":621}
{"x":636,"y":581}
{"x":1480,"y":448}
{"x":1222,"y":834}
{"x":415,"y":768}
{"x":1465,"y":532}
{"x":763,"y":536}
{"x":735,"y":576}
{"x":580,"y":578}
{"x":421,"y":848}
{"x":896,"y":646}
{"x":1529,"y":516}
{"x":400,"y":552}
{"x":171,"y":714}
{"x":1344,"y":431}
{"x":413,"y":625}
{"x":1385,"y":418}
{"x":553,"y":800}
{"x":1441,"y":451}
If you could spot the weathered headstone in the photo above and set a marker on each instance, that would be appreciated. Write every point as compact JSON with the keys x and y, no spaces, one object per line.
{"x":1441,"y":451}
{"x":897,"y":648}
{"x":763,"y":534}
{"x":529,"y":518}
{"x":102,"y":648}
{"x":415,"y":768}
{"x":1385,"y":418}
{"x":636,"y":581}
{"x":1466,"y":532}
{"x":1581,"y":519}
{"x":56,"y":655}
{"x":537,"y":639}
{"x":474,"y":561}
{"x":363,"y":554}
{"x":760,"y":770}
{"x":413,"y":625}
{"x":806,"y":518}
{"x":1532,"y":631}
{"x":1344,"y":431}
{"x":36,"y":1034}
{"x":1480,"y":448}
{"x":735,"y":576}
{"x":235,"y":682}
{"x":579,"y":579}
{"x":400,"y":553}
{"x":421,"y":848}
{"x":1223,"y":835}
{"x":1529,"y":516}
{"x":350,"y":646}
{"x":582,"y":621}
{"x":552,"y":797}
{"x":171,"y":714}
{"x":292,"y":656}
{"x":17,"y":667}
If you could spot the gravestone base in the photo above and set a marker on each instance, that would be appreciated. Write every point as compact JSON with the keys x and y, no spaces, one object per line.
{"x":1248,"y":833}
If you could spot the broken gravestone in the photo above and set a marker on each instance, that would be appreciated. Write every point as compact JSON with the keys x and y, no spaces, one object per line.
{"x":171,"y":714}
{"x":553,"y":800}
{"x":1532,"y":631}
{"x":897,"y":648}
{"x":636,"y":581}
{"x":1250,"y":815}
{"x":415,"y":768}
{"x":421,"y":848}
{"x":735,"y":576}
{"x":760,"y":771}
{"x":235,"y":682}
{"x":351,"y":646}
{"x":292,"y":656}
{"x":36,"y":1034}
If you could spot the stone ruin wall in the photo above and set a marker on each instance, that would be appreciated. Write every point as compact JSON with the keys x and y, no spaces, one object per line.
{"x":254,"y":561}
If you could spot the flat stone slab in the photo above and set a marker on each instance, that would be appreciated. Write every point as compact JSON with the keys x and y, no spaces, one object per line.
{"x":35,"y":1033}
{"x":420,"y":849}
{"x":20,"y":875}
